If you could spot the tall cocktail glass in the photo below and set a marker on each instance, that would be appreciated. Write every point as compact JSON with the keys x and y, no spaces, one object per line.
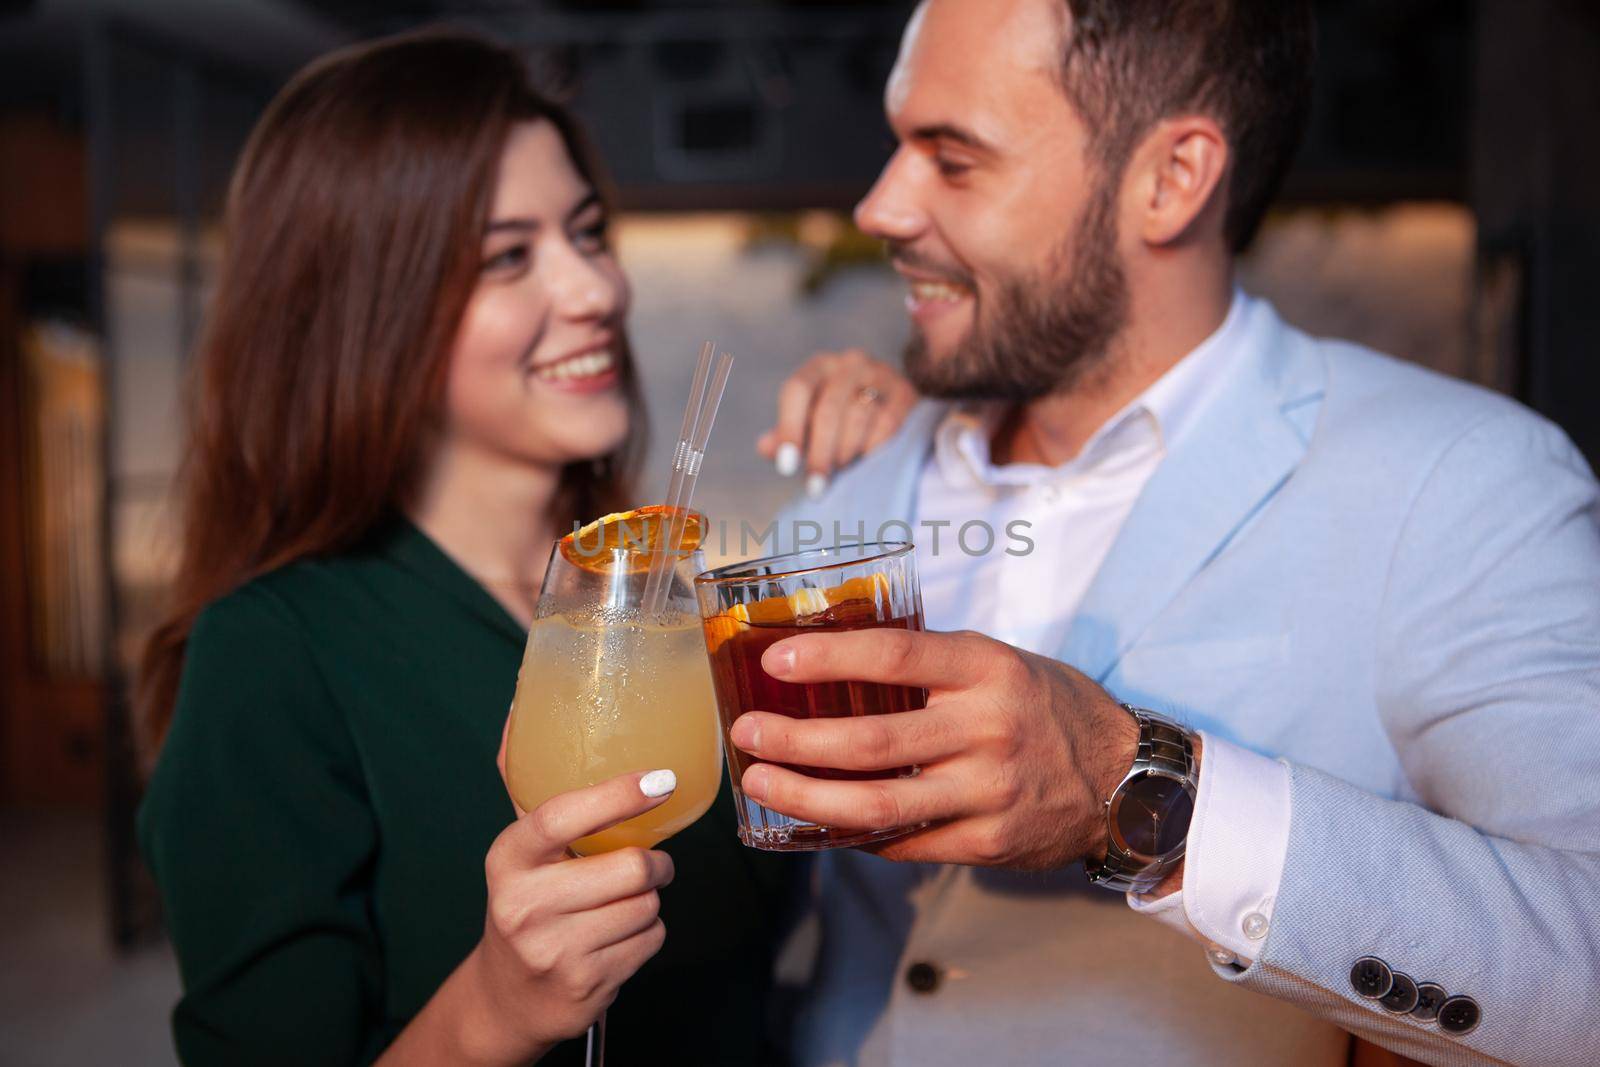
{"x":606,"y":689}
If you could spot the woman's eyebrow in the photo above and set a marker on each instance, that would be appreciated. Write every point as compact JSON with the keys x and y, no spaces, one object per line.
{"x":513,"y":224}
{"x":589,"y":201}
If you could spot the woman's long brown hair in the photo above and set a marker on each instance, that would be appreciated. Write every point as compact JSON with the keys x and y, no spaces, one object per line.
{"x":354,"y":224}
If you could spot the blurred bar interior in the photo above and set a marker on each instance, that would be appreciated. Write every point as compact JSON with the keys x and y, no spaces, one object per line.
{"x":1442,"y":210}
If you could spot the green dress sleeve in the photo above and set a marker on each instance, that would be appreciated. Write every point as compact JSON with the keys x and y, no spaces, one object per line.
{"x":260,"y":834}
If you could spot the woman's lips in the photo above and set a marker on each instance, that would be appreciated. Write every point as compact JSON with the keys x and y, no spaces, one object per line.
{"x":589,"y":372}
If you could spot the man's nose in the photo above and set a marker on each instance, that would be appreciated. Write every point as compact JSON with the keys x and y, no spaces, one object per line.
{"x":890,"y":210}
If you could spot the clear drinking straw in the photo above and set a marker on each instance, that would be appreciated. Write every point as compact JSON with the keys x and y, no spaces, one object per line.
{"x":687,"y":459}
{"x":691,"y":413}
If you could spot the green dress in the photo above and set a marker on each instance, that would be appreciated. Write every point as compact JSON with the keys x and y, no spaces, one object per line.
{"x":322,"y":806}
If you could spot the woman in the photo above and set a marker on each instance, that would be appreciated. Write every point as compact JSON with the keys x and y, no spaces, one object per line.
{"x":413,"y":378}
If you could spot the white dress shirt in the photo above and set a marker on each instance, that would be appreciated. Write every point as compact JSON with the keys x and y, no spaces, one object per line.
{"x":1072,"y":514}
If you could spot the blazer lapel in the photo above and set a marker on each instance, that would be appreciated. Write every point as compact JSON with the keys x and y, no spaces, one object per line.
{"x":1225,"y":471}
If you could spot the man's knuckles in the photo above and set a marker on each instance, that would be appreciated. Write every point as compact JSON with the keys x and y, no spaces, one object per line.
{"x":1006,"y":790}
{"x":897,"y":652}
{"x":874,"y":744}
{"x":986,"y":843}
{"x":881,"y":808}
{"x":1012,"y":670}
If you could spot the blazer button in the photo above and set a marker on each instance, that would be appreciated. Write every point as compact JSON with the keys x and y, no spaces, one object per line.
{"x":1402,"y":996}
{"x":1459,"y":1015}
{"x":1371,"y":977}
{"x":922,"y":977}
{"x":1429,"y":996}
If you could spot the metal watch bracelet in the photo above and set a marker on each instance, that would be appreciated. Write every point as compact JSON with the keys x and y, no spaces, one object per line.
{"x":1164,"y":748}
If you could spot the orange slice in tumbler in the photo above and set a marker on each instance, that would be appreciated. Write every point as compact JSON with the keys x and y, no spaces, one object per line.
{"x":720,"y":628}
{"x":778,"y":610}
{"x":768,"y":611}
{"x":641,"y":531}
{"x":873,"y":588}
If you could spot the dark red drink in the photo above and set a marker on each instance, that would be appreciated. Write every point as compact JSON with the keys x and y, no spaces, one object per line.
{"x":740,"y":626}
{"x":742,"y":685}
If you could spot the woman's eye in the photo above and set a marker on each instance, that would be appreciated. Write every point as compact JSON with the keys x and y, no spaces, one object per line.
{"x":593,"y":239}
{"x":508,"y":259}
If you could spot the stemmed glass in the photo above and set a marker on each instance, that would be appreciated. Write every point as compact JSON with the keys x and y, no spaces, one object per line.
{"x":607,"y":687}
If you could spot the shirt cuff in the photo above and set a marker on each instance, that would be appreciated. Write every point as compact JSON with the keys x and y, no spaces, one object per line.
{"x":1234,"y":856}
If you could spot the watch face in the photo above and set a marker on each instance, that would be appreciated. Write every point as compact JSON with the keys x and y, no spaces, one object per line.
{"x":1153,"y":814}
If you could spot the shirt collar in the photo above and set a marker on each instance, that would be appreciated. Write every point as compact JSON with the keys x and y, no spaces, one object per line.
{"x":1160,"y":415}
{"x":1178,"y":397}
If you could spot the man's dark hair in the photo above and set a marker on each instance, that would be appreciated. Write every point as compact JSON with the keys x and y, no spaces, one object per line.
{"x":1245,"y":63}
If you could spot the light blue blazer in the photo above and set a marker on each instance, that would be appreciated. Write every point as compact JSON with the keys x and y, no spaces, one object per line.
{"x":1390,"y":580}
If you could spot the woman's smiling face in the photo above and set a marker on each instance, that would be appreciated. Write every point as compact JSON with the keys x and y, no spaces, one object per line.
{"x":536,"y":369}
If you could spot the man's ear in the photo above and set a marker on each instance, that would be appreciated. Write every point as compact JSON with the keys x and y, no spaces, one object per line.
{"x":1176,"y":177}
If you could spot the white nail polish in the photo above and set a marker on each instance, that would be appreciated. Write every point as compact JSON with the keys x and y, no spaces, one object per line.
{"x":816,"y":485}
{"x":788,"y":461}
{"x":658,"y":783}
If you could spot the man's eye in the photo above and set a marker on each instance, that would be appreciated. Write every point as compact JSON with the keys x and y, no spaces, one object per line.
{"x":949,"y":168}
{"x":513,"y":258}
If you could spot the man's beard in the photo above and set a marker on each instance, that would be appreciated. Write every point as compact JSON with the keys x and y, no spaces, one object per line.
{"x":1047,"y":331}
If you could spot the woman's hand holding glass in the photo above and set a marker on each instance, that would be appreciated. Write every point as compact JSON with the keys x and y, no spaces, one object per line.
{"x":562,"y":934}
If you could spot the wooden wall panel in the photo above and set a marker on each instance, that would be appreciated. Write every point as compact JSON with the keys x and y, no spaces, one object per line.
{"x":51,"y":730}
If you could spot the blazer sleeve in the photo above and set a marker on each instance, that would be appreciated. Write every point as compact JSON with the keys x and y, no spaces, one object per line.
{"x":260,"y":835}
{"x":1487,"y":880}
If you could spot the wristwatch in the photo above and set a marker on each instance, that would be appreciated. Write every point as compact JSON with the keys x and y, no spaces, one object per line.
{"x":1148,"y":813}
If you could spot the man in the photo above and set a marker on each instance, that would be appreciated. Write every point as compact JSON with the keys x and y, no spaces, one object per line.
{"x":1357,"y":605}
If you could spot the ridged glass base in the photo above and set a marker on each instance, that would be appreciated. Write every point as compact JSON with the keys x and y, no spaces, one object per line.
{"x":769,"y":831}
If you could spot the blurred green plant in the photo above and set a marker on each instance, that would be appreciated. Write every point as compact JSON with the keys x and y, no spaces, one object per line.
{"x":828,"y":241}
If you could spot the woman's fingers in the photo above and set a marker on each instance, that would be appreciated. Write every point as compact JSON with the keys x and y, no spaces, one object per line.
{"x":837,"y":406}
{"x":898,"y":400}
{"x":627,"y":956}
{"x":595,"y":881}
{"x":543,"y":834}
{"x":787,"y":439}
{"x":617,"y":921}
{"x":860,"y":411}
{"x":829,"y":406}
{"x":562,"y":935}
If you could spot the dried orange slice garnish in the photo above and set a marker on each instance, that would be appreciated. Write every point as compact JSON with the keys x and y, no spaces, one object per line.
{"x":642,"y":531}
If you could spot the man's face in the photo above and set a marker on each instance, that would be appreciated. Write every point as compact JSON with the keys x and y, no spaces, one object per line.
{"x":991,"y":207}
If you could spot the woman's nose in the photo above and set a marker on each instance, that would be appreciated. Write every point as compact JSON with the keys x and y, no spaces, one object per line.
{"x":584,"y":289}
